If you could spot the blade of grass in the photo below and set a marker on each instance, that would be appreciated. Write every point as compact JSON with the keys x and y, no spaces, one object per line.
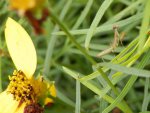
{"x":78,"y":97}
{"x":83,"y":14}
{"x":105,"y":28}
{"x":124,"y":12}
{"x":103,"y":105}
{"x":145,"y":24}
{"x":124,"y":55}
{"x":123,"y":52}
{"x":91,"y":53}
{"x":58,"y":5}
{"x":146,"y":95}
{"x":96,"y":21}
{"x":127,"y":70}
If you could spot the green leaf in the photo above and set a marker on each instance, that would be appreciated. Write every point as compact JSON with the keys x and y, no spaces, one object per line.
{"x":127,"y":70}
{"x":96,"y":21}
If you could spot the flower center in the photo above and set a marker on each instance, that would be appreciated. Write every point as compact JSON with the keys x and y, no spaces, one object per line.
{"x":33,"y":108}
{"x":21,"y":87}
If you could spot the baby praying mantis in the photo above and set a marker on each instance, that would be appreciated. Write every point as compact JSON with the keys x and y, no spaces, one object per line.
{"x":117,"y":38}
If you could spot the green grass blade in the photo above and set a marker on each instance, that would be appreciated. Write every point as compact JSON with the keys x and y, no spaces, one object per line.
{"x":78,"y":97}
{"x":145,"y":25}
{"x":127,"y":70}
{"x":83,"y":14}
{"x":103,"y":105}
{"x":146,"y":95}
{"x":124,"y":12}
{"x":96,"y":21}
{"x":105,"y":28}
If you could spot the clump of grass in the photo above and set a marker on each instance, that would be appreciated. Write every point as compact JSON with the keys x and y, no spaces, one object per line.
{"x":75,"y":32}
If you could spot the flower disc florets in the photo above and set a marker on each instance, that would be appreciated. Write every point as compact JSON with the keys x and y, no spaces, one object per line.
{"x":21,"y":88}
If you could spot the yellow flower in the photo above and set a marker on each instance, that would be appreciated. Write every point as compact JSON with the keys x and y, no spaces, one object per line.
{"x":26,"y":5}
{"x":24,"y":94}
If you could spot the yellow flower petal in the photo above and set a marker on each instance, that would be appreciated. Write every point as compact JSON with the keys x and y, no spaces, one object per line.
{"x":20,"y":47}
{"x":48,"y":101}
{"x":20,"y":109}
{"x":22,"y":5}
{"x":25,"y":5}
{"x":53,"y":90}
{"x":8,"y":104}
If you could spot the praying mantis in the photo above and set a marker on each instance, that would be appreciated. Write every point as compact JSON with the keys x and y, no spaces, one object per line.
{"x":117,"y":38}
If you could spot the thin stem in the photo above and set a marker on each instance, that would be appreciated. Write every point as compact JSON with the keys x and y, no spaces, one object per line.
{"x":78,"y":97}
{"x":145,"y":24}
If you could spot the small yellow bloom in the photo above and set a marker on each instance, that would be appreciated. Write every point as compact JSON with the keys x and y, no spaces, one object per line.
{"x":26,"y":5}
{"x":24,"y":93}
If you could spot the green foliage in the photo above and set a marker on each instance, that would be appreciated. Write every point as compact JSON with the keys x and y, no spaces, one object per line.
{"x":75,"y":32}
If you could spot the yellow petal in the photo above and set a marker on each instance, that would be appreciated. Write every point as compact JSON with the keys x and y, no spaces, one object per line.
{"x":26,"y":5}
{"x":20,"y":109}
{"x":20,"y":47}
{"x":48,"y":101}
{"x":22,"y":5}
{"x":8,"y":104}
{"x":53,"y":90}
